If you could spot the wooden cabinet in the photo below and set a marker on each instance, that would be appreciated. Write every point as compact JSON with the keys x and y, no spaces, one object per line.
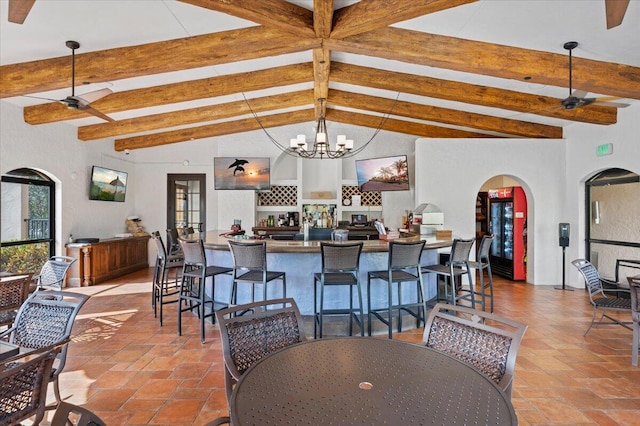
{"x":107,"y":259}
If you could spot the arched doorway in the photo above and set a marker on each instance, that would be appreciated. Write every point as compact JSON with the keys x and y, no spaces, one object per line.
{"x":28,"y":220}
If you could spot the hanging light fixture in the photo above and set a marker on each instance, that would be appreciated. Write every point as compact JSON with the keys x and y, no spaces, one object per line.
{"x":321,"y":146}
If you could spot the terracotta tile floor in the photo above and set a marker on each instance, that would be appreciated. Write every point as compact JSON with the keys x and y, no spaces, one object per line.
{"x":130,"y":371}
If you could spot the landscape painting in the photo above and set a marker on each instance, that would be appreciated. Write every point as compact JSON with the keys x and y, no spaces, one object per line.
{"x":107,"y":184}
{"x":383,"y":174}
{"x":252,"y":173}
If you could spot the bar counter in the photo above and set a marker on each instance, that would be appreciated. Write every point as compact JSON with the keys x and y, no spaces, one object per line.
{"x":300,"y":259}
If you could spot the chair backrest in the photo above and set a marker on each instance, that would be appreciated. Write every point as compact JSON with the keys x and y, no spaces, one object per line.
{"x":405,"y":254}
{"x":256,"y":333}
{"x":487,"y":342}
{"x":460,"y":251}
{"x":83,"y":417}
{"x":14,"y":290}
{"x":172,"y":240}
{"x":45,"y":319}
{"x":53,"y":272}
{"x":591,"y":277}
{"x":162,"y":251}
{"x":485,"y":248}
{"x":634,"y":287}
{"x":193,"y":253}
{"x":251,"y":256}
{"x":23,"y":385}
{"x":340,"y":257}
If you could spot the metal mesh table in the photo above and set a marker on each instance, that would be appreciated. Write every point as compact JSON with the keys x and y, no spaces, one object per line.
{"x":367,"y":381}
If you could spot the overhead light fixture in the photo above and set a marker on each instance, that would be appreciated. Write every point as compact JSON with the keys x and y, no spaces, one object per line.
{"x":321,"y":147}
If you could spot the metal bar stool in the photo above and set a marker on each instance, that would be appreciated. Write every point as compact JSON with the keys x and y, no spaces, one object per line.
{"x":455,"y":268}
{"x":163,"y":285}
{"x":480,"y":265}
{"x":250,"y":266}
{"x":340,"y":267}
{"x":192,"y":287}
{"x":403,"y":258}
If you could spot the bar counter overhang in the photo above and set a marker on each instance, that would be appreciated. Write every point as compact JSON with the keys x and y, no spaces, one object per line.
{"x":301,"y":259}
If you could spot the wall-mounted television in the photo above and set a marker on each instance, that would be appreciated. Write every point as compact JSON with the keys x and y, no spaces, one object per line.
{"x":383,"y":174}
{"x":107,"y":184}
{"x":242,"y":173}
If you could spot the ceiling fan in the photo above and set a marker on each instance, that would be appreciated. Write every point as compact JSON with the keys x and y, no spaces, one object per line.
{"x":578,"y":98}
{"x":83,"y":102}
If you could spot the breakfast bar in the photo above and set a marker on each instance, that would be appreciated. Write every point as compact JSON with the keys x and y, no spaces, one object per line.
{"x":300,"y":259}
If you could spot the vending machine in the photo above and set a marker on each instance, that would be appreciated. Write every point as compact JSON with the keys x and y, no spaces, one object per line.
{"x":508,"y":223}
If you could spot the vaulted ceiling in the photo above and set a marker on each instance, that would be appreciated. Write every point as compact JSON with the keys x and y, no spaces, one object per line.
{"x":433,"y":68}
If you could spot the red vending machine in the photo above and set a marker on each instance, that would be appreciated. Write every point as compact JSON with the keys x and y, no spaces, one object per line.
{"x":508,"y":222}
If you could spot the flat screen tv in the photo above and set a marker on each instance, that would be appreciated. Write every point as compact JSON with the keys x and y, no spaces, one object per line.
{"x":383,"y":174}
{"x":107,"y":184}
{"x":242,"y":173}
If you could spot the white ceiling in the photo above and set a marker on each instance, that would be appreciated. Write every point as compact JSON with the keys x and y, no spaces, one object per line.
{"x":543,"y":25}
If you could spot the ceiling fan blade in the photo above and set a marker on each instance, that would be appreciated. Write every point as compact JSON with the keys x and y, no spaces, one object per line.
{"x":91,"y":97}
{"x":610,"y":104}
{"x":615,"y":12}
{"x":579,"y":93}
{"x":96,"y":113}
{"x":41,"y":98}
{"x":19,"y":9}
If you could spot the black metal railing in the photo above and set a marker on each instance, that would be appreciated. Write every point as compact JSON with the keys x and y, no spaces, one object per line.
{"x":37,"y":228}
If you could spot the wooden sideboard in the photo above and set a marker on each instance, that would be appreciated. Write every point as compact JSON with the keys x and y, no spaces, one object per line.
{"x":106,"y":259}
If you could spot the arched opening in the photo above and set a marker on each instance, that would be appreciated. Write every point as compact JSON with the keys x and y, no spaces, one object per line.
{"x":612,"y":202}
{"x":28,"y":220}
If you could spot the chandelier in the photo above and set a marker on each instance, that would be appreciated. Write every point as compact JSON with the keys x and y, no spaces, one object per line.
{"x":321,"y":148}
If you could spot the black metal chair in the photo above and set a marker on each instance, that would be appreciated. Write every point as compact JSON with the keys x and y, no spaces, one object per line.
{"x":340,"y":267}
{"x":598,"y":296}
{"x":452,"y":273}
{"x":487,"y":342}
{"x":403,"y":266}
{"x":173,"y":243}
{"x":23,"y":385}
{"x":46,"y":319}
{"x":250,"y":332}
{"x":53,"y":273}
{"x":14,"y":290}
{"x":165,"y":288}
{"x":82,"y":417}
{"x":481,"y":264}
{"x":250,"y":266}
{"x":634,"y":288}
{"x":195,"y":273}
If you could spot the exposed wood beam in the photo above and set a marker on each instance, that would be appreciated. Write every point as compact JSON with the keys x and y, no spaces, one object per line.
{"x":468,"y":93}
{"x":19,"y":9}
{"x":367,"y":15}
{"x":278,"y":14}
{"x":177,"y":92}
{"x":195,"y":115}
{"x":443,"y":115}
{"x":400,"y":126}
{"x":211,"y":130}
{"x":322,"y":17}
{"x":153,"y":58}
{"x":493,"y":60}
{"x":321,"y":66}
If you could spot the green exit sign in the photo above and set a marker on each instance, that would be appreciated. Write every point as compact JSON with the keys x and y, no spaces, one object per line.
{"x":604,"y":149}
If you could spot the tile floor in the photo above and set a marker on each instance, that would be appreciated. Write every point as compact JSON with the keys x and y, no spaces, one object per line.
{"x":130,"y":371}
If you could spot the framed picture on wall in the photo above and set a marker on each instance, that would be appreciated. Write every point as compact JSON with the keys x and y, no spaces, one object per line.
{"x":252,"y":173}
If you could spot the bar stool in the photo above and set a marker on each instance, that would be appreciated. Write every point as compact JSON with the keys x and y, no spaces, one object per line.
{"x":173,"y":245}
{"x":340,"y":267}
{"x":250,"y":265}
{"x":192,"y":287}
{"x":163,"y":285}
{"x":480,"y":265}
{"x":455,"y":268}
{"x":403,"y":258}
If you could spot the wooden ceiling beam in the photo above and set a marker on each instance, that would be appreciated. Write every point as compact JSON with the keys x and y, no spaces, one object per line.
{"x":443,"y":115}
{"x":468,"y":93}
{"x":321,"y":67}
{"x":400,"y":126}
{"x":153,"y":58}
{"x":177,"y":92}
{"x":278,"y":14}
{"x":493,"y":60}
{"x":367,"y":15}
{"x":212,"y":130}
{"x":322,"y":18}
{"x":195,"y":115}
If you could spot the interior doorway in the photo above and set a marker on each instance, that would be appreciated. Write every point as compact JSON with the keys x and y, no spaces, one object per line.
{"x":186,"y":201}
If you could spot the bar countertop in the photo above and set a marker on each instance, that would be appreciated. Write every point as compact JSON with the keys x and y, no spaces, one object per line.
{"x":215,"y":240}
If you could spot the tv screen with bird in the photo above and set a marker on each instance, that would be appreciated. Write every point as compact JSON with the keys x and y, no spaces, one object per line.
{"x":253,"y":173}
